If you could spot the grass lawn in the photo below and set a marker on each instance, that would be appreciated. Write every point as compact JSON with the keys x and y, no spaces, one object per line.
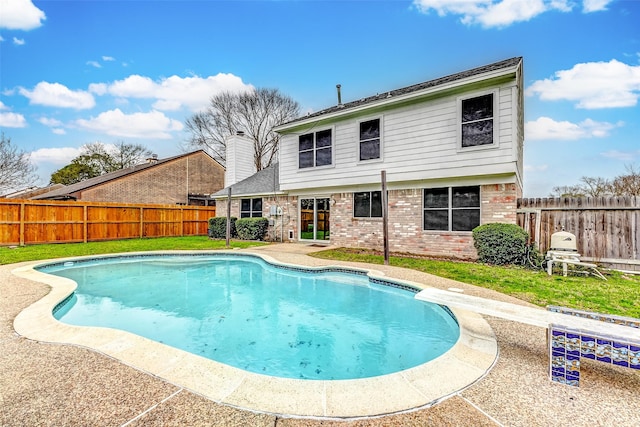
{"x":620,"y":294}
{"x":60,"y":250}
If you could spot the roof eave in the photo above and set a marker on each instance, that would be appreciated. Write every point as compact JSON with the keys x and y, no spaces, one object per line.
{"x":482,"y":77}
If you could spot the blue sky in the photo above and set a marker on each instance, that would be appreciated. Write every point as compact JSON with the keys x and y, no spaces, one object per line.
{"x":76,"y":72}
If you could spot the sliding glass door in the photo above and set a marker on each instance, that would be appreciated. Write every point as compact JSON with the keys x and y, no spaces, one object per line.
{"x":314,"y":218}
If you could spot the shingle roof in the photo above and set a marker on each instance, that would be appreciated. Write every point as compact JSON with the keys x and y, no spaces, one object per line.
{"x":507,"y":63}
{"x":67,"y":190}
{"x":265,"y":181}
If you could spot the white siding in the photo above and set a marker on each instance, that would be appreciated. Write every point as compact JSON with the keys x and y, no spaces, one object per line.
{"x":239,"y":162}
{"x":420,"y":142}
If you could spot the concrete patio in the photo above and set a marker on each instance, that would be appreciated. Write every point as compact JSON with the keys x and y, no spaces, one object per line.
{"x":54,"y":384}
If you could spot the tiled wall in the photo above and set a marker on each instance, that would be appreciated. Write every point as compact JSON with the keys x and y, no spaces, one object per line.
{"x":567,"y":346}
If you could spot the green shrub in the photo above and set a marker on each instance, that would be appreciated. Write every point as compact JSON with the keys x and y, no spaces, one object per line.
{"x":500,"y":244}
{"x":252,"y":228}
{"x":218,"y":227}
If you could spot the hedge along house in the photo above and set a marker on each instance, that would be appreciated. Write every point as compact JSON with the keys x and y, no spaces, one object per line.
{"x":184,"y":179}
{"x":452,"y":149}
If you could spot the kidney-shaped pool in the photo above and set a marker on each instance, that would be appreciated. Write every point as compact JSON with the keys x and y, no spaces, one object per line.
{"x":321,"y":324}
{"x":249,"y":330}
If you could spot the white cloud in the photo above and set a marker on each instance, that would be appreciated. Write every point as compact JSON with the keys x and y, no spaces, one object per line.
{"x":1,"y":38}
{"x":98,"y":88}
{"x":626,"y":156}
{"x":546,"y":128}
{"x":57,"y":156}
{"x":592,"y":85}
{"x":54,"y":124}
{"x":491,"y":13}
{"x":175,"y":92}
{"x":2,"y":106}
{"x":12,"y":120}
{"x":57,"y":95}
{"x":20,"y":15}
{"x":502,"y":13}
{"x":108,"y":58}
{"x":50,"y":122}
{"x":18,"y":42}
{"x":595,"y":5}
{"x":95,"y":64}
{"x":137,"y":125}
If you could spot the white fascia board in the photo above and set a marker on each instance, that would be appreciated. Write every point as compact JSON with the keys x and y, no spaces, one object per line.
{"x":400,"y":98}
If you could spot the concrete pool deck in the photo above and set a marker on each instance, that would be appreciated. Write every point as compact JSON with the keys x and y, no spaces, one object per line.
{"x":56,"y":384}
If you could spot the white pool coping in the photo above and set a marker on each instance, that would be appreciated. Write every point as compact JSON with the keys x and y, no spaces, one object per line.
{"x":466,"y":362}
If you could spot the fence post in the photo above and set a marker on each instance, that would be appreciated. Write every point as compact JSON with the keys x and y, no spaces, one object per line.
{"x":22,"y":209}
{"x":85,"y":226}
{"x":141,"y":221}
{"x":182,"y":219}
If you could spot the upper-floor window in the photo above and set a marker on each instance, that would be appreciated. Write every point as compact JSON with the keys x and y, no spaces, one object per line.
{"x":367,"y":204}
{"x":477,"y":121}
{"x":250,"y":208}
{"x":452,"y":208}
{"x":370,"y":139}
{"x":315,"y":149}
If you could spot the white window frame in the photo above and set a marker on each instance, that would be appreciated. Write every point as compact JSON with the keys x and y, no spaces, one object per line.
{"x":495,"y":118}
{"x":380,"y":137}
{"x":314,"y":149}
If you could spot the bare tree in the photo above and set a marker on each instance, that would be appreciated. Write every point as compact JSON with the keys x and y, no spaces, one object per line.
{"x":567,"y":191}
{"x":627,"y":184}
{"x":96,"y":159}
{"x":128,"y":155}
{"x":16,"y":169}
{"x":595,"y":186}
{"x":255,"y":113}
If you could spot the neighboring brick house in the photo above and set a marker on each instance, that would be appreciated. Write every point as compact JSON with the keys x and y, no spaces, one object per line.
{"x":451,"y":148}
{"x":184,"y":179}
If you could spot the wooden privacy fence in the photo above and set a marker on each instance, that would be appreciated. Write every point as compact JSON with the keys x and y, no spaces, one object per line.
{"x":607,"y":229}
{"x":24,"y":222}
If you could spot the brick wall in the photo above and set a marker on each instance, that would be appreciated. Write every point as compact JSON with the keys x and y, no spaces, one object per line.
{"x":167,"y":183}
{"x":406,"y":235}
{"x":280,"y":225}
{"x":498,"y":204}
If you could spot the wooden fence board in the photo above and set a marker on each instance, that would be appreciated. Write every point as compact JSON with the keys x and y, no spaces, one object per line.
{"x":605,"y":227}
{"x":24,"y":222}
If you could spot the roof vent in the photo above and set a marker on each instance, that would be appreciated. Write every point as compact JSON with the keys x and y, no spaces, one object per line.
{"x":339,"y":95}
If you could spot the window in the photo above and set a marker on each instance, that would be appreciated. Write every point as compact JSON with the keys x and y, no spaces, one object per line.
{"x":367,"y":204}
{"x":370,"y":139}
{"x":452,"y":208}
{"x":314,"y":149}
{"x":477,"y":121}
{"x":251,"y":208}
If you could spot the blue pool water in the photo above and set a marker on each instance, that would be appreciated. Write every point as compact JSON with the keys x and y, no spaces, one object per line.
{"x":263,"y":318}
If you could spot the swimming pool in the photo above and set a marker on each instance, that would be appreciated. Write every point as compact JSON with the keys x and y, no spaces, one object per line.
{"x":470,"y":358}
{"x":320,"y":324}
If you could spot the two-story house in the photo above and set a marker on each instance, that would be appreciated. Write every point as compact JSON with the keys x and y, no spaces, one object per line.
{"x":451,"y":149}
